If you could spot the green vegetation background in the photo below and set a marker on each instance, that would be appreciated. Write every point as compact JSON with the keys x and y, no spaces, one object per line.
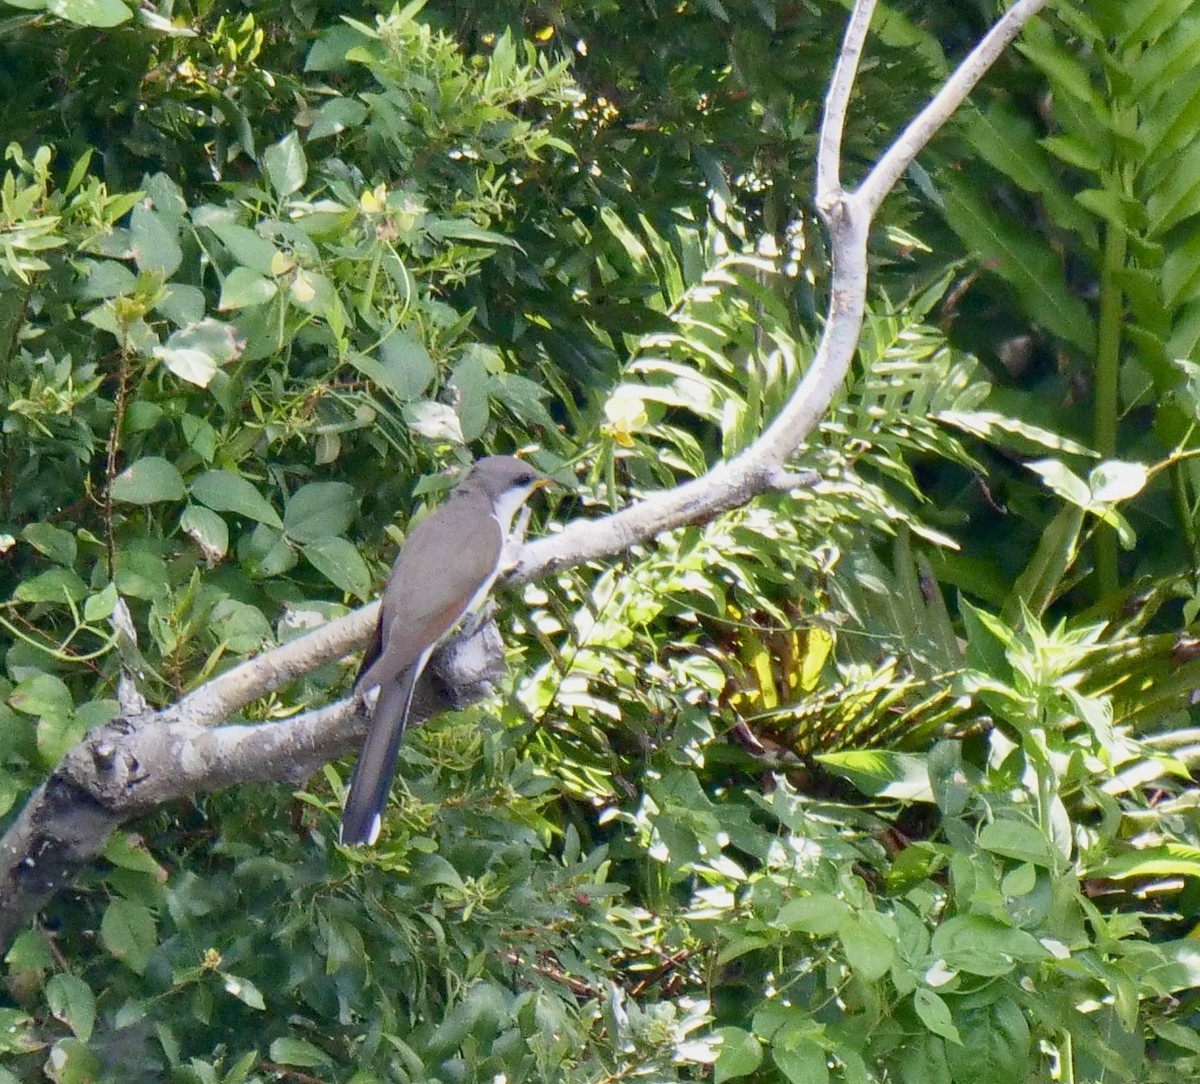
{"x":885,"y":780}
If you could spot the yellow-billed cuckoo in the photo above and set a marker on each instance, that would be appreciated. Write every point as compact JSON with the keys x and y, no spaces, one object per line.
{"x":443,"y":572}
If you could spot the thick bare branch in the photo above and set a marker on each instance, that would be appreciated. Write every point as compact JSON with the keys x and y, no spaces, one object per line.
{"x":926,"y":124}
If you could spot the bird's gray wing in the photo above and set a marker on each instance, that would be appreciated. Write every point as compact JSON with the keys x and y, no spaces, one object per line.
{"x":448,"y":559}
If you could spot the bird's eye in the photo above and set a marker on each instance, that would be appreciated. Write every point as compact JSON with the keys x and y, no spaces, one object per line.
{"x":524,"y":479}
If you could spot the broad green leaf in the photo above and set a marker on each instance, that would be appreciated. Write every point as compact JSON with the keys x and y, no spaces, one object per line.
{"x":127,"y":851}
{"x":243,"y":989}
{"x":881,"y":773}
{"x":249,"y":247}
{"x":207,"y":529}
{"x":285,"y":164}
{"x":434,"y":421}
{"x":336,"y":115}
{"x":340,"y":563}
{"x":740,"y":1054}
{"x":1114,"y":480}
{"x":996,"y":1044}
{"x":471,"y":380}
{"x":53,"y":585}
{"x":71,"y":1000}
{"x":935,"y":1014}
{"x":224,"y":491}
{"x":287,"y":1051}
{"x":30,"y":951}
{"x":70,"y":1061}
{"x":267,"y":553}
{"x":821,"y":914}
{"x":53,"y":542}
{"x":181,"y":304}
{"x":148,"y":481}
{"x":128,"y":931}
{"x":154,"y":242}
{"x":319,"y":510}
{"x":244,"y":628}
{"x":194,"y":353}
{"x":869,"y":949}
{"x":1165,"y":860}
{"x":102,"y":13}
{"x":42,"y":694}
{"x":1016,"y":839}
{"x":243,"y":287}
{"x":408,"y":370}
{"x":1177,"y":966}
{"x":106,"y":279}
{"x":802,"y":1062}
{"x":984,"y":946}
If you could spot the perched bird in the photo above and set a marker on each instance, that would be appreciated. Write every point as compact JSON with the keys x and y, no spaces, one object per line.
{"x":444,"y":571}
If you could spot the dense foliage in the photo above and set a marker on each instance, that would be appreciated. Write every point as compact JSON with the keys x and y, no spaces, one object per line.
{"x":883,"y":780}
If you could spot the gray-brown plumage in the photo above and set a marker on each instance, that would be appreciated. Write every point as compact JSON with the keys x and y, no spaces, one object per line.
{"x":444,"y":570}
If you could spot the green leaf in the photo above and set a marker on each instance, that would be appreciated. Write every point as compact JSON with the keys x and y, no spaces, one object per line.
{"x":244,"y":628}
{"x":249,"y":247}
{"x":1165,"y":860}
{"x":243,"y":287}
{"x":286,"y":167}
{"x":935,"y":1014}
{"x":127,"y":851}
{"x":463,"y":229}
{"x":71,"y":1062}
{"x":243,"y":989}
{"x":1018,"y":254}
{"x":224,"y":491}
{"x":42,"y":694}
{"x":154,"y":242}
{"x":740,"y":1054}
{"x":471,"y":379}
{"x":408,"y":370}
{"x":207,"y":529}
{"x":53,"y":542}
{"x":340,"y":563}
{"x":129,"y":933}
{"x":882,"y":774}
{"x":148,"y":481}
{"x":1010,"y":432}
{"x":71,"y":1000}
{"x":983,"y":946}
{"x":288,"y":1051}
{"x":802,"y":1062}
{"x":1114,"y":480}
{"x":102,"y":13}
{"x":820,"y":914}
{"x":1016,"y":839}
{"x":996,"y":1044}
{"x":1064,"y":481}
{"x":335,"y":116}
{"x":53,"y":585}
{"x":869,"y":950}
{"x":267,"y":553}
{"x":319,"y":510}
{"x":434,"y":421}
{"x":30,"y":952}
{"x":194,"y":353}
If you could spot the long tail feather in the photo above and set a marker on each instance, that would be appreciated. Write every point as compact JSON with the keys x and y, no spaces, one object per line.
{"x":372,"y":779}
